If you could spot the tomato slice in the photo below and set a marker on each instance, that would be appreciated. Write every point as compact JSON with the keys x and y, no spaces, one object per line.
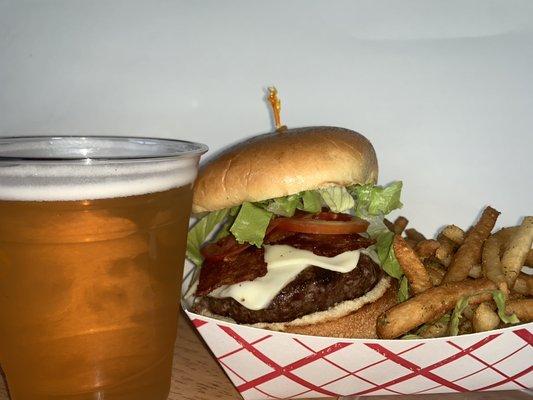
{"x":225,"y":247}
{"x":323,"y":226}
{"x":325,"y":222}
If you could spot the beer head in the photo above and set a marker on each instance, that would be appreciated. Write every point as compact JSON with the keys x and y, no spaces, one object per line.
{"x":77,"y":168}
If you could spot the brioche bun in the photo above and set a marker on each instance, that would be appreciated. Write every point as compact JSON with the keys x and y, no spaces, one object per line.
{"x":284,"y":162}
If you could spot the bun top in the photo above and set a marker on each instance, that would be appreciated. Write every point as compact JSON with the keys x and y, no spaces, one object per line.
{"x":282,"y":163}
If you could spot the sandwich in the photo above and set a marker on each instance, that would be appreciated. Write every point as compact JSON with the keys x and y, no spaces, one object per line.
{"x":290,"y":234}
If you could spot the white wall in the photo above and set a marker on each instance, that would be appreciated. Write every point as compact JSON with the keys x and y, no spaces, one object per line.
{"x":444,"y":89}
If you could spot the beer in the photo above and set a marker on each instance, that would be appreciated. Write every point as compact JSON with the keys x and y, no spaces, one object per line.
{"x":89,"y":286}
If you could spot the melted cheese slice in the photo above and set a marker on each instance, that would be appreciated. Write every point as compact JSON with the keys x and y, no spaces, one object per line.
{"x":284,"y":263}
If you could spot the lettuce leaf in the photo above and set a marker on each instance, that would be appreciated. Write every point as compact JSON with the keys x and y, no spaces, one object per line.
{"x":311,"y":201}
{"x":376,"y":200}
{"x":457,"y":314}
{"x":224,"y":231}
{"x":376,"y":226}
{"x":367,"y":200}
{"x":250,"y":224}
{"x":499,"y":299}
{"x":337,"y":198}
{"x":388,"y":260}
{"x":445,"y":319}
{"x":284,"y":206}
{"x":403,"y":290}
{"x":390,"y":264}
{"x":200,"y":232}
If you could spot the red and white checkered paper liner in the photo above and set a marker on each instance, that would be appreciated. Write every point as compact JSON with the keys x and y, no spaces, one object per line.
{"x":263,"y":364}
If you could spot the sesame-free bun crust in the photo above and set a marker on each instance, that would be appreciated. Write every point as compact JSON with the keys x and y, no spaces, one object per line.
{"x":282,"y":163}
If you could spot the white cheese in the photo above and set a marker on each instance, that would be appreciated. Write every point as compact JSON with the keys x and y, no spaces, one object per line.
{"x":284,"y":263}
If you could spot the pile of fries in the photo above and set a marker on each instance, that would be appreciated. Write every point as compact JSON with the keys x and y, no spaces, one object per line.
{"x":462,"y":282}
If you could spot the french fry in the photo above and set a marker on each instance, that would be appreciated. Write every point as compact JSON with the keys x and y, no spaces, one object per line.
{"x":465,"y":327}
{"x":412,"y":243}
{"x":516,"y":296}
{"x":414,"y":235}
{"x":505,"y":234}
{"x":413,"y":268}
{"x":388,"y":224}
{"x":524,"y":284}
{"x":445,"y":250}
{"x":426,"y":248}
{"x":470,"y":251}
{"x":522,"y":308}
{"x":454,"y":233}
{"x":468,"y":312}
{"x":491,"y":263}
{"x":436,"y":329}
{"x":485,"y":318}
{"x":430,"y":305}
{"x":435,"y":272}
{"x":475,"y":272}
{"x":529,"y":259}
{"x":516,"y":250}
{"x":399,"y":225}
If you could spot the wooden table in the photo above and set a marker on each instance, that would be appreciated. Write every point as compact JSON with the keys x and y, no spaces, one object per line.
{"x":197,"y":376}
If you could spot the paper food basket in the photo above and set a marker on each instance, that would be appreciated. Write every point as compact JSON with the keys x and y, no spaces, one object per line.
{"x":264,"y":364}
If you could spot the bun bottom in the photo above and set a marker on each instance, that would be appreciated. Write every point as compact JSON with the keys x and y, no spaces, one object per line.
{"x":360,"y":324}
{"x":350,"y":319}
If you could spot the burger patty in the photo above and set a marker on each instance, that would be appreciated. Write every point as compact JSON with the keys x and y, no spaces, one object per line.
{"x":314,"y":289}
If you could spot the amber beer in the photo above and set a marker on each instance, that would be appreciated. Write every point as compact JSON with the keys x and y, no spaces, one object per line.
{"x":89,"y":286}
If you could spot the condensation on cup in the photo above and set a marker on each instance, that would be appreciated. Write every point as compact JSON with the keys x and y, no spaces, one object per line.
{"x":92,"y":242}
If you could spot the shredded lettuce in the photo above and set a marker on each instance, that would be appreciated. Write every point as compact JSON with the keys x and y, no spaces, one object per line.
{"x":224,"y":230}
{"x":376,"y":226}
{"x":499,"y":299}
{"x":284,"y":206}
{"x":376,"y":200}
{"x":250,"y":224}
{"x":337,"y":198}
{"x":457,"y":315}
{"x":390,"y":264}
{"x":311,"y":201}
{"x":388,"y":260}
{"x":444,"y":319}
{"x":373,"y":203}
{"x":200,"y":232}
{"x":403,"y":291}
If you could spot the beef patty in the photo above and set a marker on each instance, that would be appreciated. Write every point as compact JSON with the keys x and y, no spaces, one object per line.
{"x":314,"y":289}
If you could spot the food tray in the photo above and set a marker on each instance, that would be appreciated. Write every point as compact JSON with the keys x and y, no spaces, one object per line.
{"x":264,"y":364}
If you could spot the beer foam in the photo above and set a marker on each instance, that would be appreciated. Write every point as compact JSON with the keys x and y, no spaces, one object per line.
{"x":42,"y":179}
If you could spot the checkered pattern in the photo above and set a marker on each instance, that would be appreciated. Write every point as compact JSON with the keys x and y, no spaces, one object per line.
{"x":271,"y":365}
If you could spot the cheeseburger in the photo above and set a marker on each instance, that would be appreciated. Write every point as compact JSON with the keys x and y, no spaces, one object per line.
{"x":290,"y":234}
